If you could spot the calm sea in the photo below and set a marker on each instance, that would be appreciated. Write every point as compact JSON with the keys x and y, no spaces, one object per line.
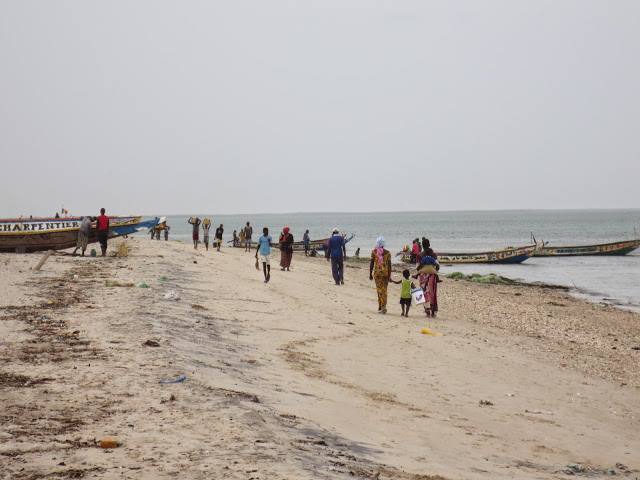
{"x":611,"y":279}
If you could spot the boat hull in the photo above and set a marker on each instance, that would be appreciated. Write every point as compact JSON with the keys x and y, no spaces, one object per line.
{"x":505,"y":256}
{"x":317,"y":245}
{"x":38,"y":234}
{"x":615,"y":248}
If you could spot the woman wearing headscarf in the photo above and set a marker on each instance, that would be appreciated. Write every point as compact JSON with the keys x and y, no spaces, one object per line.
{"x":380,"y":271}
{"x":428,"y":279}
{"x":427,"y":251}
{"x":286,"y":249}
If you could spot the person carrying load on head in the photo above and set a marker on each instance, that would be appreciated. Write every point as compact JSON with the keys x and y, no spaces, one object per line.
{"x":195,"y":223}
{"x":206,"y":225}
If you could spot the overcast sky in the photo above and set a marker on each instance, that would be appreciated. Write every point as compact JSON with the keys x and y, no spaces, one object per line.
{"x":268,"y":106}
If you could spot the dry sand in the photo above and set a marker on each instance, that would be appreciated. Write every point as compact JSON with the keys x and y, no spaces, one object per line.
{"x":303,"y":379}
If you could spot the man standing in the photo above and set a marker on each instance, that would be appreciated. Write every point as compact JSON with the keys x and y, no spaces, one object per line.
{"x":219,"y":232}
{"x":83,"y":234}
{"x":248,"y":232}
{"x":337,"y":252}
{"x":166,"y":233}
{"x":102,"y":231}
{"x":306,"y":240}
{"x":195,"y":223}
{"x":264,"y":249}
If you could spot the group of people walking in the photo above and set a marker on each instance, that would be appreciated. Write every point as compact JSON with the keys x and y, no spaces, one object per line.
{"x":206,"y":226}
{"x":427,"y":266}
{"x":380,"y":270}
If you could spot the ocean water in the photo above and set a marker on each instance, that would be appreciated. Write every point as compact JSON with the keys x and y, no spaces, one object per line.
{"x":611,"y":279}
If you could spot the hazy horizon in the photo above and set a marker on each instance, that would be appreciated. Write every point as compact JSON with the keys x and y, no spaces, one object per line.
{"x":345,"y":106}
{"x":405,"y":211}
{"x":347,"y":212}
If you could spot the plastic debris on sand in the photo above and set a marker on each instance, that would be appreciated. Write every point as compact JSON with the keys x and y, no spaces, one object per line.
{"x":171,"y":295}
{"x":431,"y":333}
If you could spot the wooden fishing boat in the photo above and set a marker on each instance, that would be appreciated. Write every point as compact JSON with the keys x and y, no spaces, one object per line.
{"x":614,"y":248}
{"x":22,"y":235}
{"x":317,"y":245}
{"x":508,"y":255}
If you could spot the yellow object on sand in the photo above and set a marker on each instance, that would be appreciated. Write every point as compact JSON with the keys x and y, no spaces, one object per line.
{"x":428,"y":331}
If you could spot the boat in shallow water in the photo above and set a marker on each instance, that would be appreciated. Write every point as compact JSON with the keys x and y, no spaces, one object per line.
{"x":614,"y":248}
{"x":21,"y":235}
{"x":317,"y":245}
{"x":504,"y":256}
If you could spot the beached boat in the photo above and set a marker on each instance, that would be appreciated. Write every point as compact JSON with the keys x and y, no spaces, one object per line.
{"x":614,"y":248}
{"x":22,"y":235}
{"x":504,"y":256}
{"x":317,"y":245}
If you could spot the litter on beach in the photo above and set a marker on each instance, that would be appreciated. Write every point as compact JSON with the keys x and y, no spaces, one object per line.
{"x":171,"y":295}
{"x":431,"y":333}
{"x":178,"y":379}
{"x":116,"y":283}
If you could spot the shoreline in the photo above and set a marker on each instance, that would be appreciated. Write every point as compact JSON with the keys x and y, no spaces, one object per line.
{"x":302,"y":379}
{"x":584,"y":294}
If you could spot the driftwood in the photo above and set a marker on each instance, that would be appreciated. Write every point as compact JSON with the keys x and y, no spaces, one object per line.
{"x":42,"y":261}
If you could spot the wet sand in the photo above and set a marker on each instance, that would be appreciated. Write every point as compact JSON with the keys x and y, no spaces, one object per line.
{"x":303,"y":379}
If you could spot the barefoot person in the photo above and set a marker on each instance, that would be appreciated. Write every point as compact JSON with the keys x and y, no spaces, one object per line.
{"x":83,"y":235}
{"x":248,"y":232}
{"x":195,"y":223}
{"x":219,"y":232}
{"x":405,"y":292}
{"x":264,"y":250}
{"x":306,"y":240}
{"x":206,"y":226}
{"x":380,"y":271}
{"x":428,"y":279}
{"x":286,"y":249}
{"x":102,"y":231}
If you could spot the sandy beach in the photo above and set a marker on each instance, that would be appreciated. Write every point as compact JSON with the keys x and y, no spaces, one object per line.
{"x":301,"y":379}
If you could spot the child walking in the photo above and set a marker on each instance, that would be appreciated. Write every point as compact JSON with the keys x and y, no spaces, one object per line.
{"x":405,"y":292}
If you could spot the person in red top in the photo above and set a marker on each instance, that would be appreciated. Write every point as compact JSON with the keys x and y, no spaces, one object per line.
{"x":102,"y":231}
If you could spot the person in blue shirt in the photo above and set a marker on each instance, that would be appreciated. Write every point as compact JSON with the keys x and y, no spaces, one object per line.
{"x":337,"y":252}
{"x":306,"y":240}
{"x":264,"y":249}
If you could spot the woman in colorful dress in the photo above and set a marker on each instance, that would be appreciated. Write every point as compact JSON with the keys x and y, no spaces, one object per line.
{"x":286,"y":249}
{"x":428,"y":279}
{"x":380,"y":271}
